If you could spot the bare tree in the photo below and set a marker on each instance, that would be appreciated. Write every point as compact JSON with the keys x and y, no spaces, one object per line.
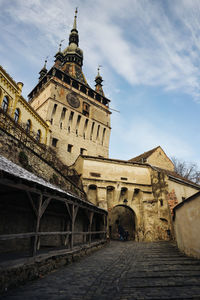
{"x":189,"y":170}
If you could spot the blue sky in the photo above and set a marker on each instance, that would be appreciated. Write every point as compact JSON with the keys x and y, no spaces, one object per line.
{"x":150,"y":53}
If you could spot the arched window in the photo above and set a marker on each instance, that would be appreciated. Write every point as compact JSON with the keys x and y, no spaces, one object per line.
{"x":38,"y":136}
{"x":5,"y":104}
{"x":28,"y":126}
{"x":16,"y":115}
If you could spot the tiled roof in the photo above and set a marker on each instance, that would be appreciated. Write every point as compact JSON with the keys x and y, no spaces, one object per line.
{"x":6,"y":166}
{"x":144,"y":155}
{"x":176,"y":176}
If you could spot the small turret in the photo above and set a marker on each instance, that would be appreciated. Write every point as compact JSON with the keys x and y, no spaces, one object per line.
{"x":59,"y":55}
{"x":43,"y":71}
{"x":98,"y":85}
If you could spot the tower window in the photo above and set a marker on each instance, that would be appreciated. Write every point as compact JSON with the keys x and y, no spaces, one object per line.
{"x":63,"y":113}
{"x":69,"y":148}
{"x":103,"y":136}
{"x":54,"y":142}
{"x":161,"y":202}
{"x":98,"y":128}
{"x":92,"y":129}
{"x":85,"y":128}
{"x":86,"y":109}
{"x":53,"y":111}
{"x":77,"y":124}
{"x":71,"y":117}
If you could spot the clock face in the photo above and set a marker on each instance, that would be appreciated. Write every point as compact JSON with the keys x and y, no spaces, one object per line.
{"x":73,"y":100}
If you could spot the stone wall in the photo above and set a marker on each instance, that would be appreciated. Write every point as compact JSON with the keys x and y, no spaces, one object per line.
{"x":22,"y":149}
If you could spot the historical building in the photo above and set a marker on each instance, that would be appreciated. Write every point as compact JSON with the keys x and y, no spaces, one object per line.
{"x":13,"y":104}
{"x":74,"y":120}
{"x":140,"y":193}
{"x":78,"y":116}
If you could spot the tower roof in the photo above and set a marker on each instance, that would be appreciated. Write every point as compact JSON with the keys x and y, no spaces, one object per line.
{"x":98,"y":85}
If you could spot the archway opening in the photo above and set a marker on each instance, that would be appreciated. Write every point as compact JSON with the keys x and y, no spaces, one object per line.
{"x":125,"y":216}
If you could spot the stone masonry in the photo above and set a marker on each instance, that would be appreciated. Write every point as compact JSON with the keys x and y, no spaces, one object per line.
{"x":120,"y":271}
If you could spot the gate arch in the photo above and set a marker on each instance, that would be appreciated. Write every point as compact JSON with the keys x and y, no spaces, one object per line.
{"x":127,"y":219}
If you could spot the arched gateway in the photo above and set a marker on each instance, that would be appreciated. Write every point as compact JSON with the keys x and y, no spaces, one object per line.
{"x":127,"y":219}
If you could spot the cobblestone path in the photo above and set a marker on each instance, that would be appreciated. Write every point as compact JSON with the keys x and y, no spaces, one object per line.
{"x":120,"y":271}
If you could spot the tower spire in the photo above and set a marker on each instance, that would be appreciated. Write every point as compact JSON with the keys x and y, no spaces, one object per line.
{"x":43,"y":71}
{"x":76,"y":12}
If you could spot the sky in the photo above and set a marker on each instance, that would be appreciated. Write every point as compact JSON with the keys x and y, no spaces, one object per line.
{"x":150,"y":56}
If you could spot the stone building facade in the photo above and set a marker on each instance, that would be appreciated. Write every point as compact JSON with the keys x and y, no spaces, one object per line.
{"x":140,"y":195}
{"x":13,"y":104}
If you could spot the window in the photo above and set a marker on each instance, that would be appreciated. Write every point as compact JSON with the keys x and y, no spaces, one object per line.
{"x":5,"y":104}
{"x":82,"y":151}
{"x":38,"y":136}
{"x":77,"y":124}
{"x":86,"y":109}
{"x":54,"y":142}
{"x":16,"y":115}
{"x":63,"y":114}
{"x":54,"y":110}
{"x":92,"y":129}
{"x":161,"y":202}
{"x":85,"y":128}
{"x":95,"y":174}
{"x":71,"y":118}
{"x":69,"y":148}
{"x":103,"y":136}
{"x":98,"y":128}
{"x":28,"y":126}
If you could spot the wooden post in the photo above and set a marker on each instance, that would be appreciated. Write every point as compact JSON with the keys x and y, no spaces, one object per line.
{"x":73,"y":214}
{"x":91,"y":214}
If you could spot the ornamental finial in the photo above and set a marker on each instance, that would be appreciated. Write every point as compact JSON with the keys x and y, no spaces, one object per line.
{"x":76,"y":12}
{"x":60,"y":45}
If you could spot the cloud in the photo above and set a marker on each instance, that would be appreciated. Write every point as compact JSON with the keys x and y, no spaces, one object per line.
{"x":145,"y":42}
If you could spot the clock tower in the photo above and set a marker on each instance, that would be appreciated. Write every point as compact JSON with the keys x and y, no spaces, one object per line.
{"x":78,"y":116}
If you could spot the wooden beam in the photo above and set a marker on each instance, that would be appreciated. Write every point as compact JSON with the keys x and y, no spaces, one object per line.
{"x":68,"y":209}
{"x":32,"y":203}
{"x":5,"y":237}
{"x":44,"y":206}
{"x":36,"y":241}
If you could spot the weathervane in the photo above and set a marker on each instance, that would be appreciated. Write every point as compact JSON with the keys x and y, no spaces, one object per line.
{"x":98,"y":69}
{"x":45,"y":62}
{"x":60,"y":45}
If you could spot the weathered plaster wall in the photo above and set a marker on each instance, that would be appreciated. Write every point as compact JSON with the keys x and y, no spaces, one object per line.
{"x":159,"y":159}
{"x":181,"y":190}
{"x":139,"y":188}
{"x":187,"y":226}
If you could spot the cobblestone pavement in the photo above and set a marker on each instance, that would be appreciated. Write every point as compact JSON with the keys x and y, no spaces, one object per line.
{"x":120,"y":271}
